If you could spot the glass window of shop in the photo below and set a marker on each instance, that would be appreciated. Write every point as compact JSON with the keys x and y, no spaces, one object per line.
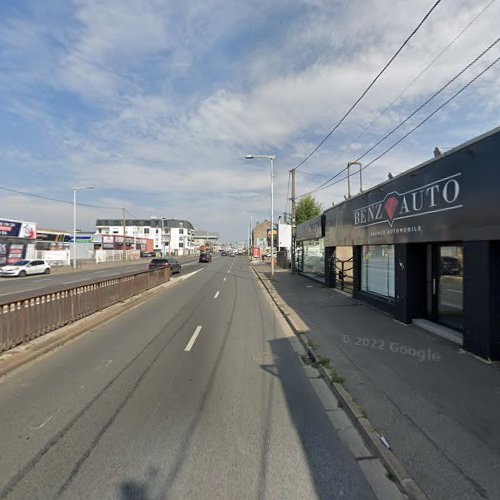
{"x":450,"y":287}
{"x":377,"y":270}
{"x":314,"y":258}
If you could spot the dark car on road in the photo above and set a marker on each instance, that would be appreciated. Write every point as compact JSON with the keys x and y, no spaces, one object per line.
{"x":205,"y":257}
{"x":162,"y":262}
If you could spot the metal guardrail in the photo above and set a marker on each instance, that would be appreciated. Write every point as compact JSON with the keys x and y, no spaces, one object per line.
{"x":26,"y":317}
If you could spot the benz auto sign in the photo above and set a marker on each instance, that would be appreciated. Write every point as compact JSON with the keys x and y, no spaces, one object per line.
{"x":438,"y":196}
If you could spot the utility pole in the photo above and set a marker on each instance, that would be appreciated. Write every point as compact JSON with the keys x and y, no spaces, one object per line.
{"x":293,"y":220}
{"x":124,"y":255}
{"x":349,"y":164}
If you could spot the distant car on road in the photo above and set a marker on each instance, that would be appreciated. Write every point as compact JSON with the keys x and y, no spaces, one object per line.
{"x":205,"y":257}
{"x":148,"y":254}
{"x":25,"y":267}
{"x":163,"y":262}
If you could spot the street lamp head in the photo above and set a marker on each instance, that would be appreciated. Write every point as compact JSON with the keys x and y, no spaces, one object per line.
{"x":76,"y":188}
{"x":268,"y":157}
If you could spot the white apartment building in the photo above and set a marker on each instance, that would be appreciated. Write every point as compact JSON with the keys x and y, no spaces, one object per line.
{"x":170,"y":236}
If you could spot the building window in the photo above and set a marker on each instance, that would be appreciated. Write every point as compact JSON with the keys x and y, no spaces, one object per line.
{"x":181,"y":231}
{"x":377,"y":269}
{"x":146,"y":230}
{"x":313,"y":253}
{"x":181,"y":245}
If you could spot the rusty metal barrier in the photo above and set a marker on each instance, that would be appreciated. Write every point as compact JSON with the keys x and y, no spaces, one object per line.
{"x":26,"y":317}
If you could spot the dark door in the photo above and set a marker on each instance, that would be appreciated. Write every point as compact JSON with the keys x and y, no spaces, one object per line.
{"x":445,"y":284}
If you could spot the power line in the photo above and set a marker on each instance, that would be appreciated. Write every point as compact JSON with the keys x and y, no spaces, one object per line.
{"x":58,"y":200}
{"x":433,"y":113}
{"x":464,"y":29}
{"x":401,"y":139}
{"x":446,"y":85}
{"x":371,"y":84}
{"x":131,"y":214}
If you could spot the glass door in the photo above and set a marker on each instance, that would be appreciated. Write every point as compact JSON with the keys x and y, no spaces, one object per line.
{"x":445,"y":284}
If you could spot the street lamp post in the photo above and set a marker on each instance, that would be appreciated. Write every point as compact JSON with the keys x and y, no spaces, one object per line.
{"x":75,"y":189}
{"x":349,"y":164}
{"x":249,"y":236}
{"x":271,"y":159}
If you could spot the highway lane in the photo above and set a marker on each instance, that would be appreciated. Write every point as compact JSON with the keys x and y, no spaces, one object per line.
{"x":36,"y":283}
{"x":195,"y":393}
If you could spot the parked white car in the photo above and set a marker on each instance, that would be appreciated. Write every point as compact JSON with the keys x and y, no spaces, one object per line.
{"x":24,"y":267}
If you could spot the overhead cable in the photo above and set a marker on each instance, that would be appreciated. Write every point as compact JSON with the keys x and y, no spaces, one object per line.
{"x":445,"y":86}
{"x":371,"y":84}
{"x":401,"y":139}
{"x":459,"y":34}
{"x":58,"y":200}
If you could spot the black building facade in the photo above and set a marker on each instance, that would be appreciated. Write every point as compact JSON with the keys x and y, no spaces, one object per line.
{"x":426,"y":244}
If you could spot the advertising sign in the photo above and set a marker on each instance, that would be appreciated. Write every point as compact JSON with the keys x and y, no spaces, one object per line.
{"x":11,"y":252}
{"x":452,"y":198}
{"x":3,"y":253}
{"x":256,"y":252}
{"x":310,"y":230}
{"x":284,"y":235}
{"x":18,"y":229}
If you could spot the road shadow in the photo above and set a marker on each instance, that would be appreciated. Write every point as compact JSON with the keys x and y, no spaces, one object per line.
{"x":333,"y":469}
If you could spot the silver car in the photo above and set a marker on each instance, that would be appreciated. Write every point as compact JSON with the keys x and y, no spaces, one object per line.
{"x":24,"y":267}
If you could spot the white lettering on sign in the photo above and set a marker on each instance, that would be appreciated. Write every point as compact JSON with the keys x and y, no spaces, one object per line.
{"x":438,"y":196}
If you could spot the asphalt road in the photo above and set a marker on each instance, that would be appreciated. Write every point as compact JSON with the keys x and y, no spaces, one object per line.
{"x":39,"y":282}
{"x":195,"y":393}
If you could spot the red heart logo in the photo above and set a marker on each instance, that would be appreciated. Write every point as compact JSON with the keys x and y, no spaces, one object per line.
{"x":390,"y":206}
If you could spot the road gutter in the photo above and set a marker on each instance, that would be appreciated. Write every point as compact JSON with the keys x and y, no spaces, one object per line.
{"x":355,"y":413}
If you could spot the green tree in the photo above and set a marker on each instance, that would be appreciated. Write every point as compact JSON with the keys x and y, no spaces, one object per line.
{"x":307,"y":208}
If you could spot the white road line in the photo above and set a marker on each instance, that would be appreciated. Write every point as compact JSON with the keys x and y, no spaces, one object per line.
{"x":190,"y":274}
{"x":193,"y":338}
{"x":217,"y":294}
{"x":43,"y":423}
{"x":228,"y":271}
{"x":224,"y":278}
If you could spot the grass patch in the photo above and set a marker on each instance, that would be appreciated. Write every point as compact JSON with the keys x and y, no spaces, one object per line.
{"x":324,"y":362}
{"x":312,"y":345}
{"x":336,"y":377}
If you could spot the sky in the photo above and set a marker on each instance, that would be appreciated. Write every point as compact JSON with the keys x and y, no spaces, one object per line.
{"x":155,"y":103}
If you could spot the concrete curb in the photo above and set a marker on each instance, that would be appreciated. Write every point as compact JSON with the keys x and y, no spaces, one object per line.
{"x":356,"y":414}
{"x":56,"y":338}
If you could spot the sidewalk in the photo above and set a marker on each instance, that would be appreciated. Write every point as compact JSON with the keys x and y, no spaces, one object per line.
{"x":438,"y":407}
